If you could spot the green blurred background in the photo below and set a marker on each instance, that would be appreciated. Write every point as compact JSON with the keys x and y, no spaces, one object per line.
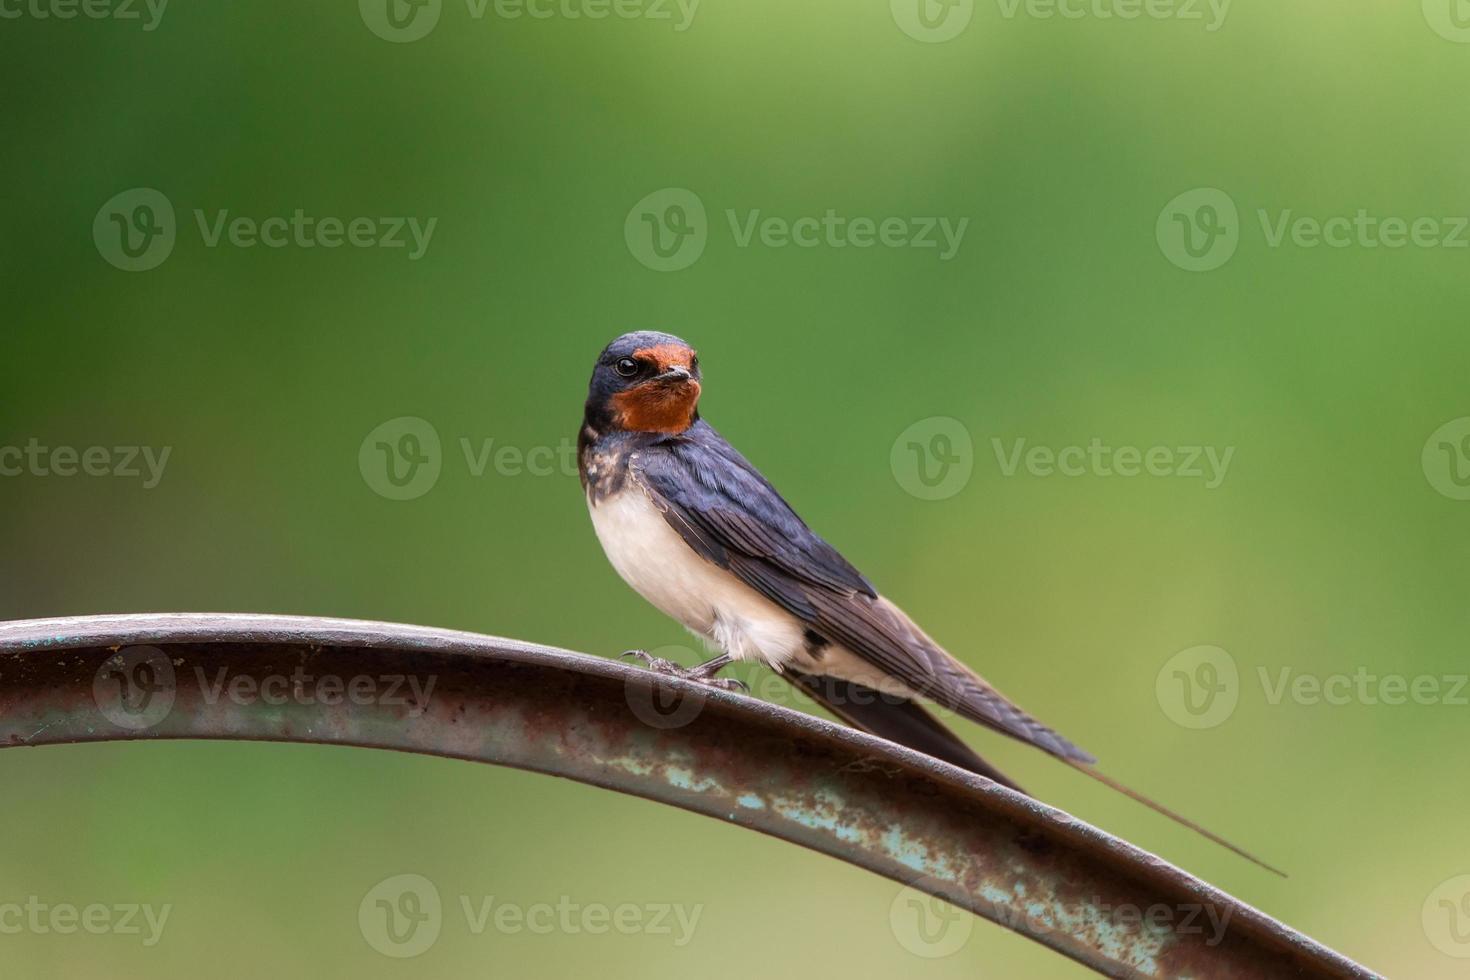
{"x":1328,"y":547}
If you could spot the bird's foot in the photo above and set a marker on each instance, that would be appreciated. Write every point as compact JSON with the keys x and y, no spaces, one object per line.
{"x":702,"y":674}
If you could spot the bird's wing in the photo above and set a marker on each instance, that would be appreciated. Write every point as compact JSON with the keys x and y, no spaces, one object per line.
{"x":731,"y":516}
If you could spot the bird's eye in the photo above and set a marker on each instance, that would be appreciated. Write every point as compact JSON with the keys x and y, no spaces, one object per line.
{"x":626,"y":366}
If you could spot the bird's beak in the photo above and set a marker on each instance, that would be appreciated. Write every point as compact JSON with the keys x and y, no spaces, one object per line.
{"x":674,"y":375}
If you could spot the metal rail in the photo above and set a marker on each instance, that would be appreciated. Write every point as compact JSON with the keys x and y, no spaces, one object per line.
{"x":946,"y":832}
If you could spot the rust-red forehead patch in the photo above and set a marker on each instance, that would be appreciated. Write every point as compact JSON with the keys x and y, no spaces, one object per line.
{"x":665,"y":356}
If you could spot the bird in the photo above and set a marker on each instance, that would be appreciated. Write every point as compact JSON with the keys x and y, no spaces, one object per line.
{"x":696,"y":530}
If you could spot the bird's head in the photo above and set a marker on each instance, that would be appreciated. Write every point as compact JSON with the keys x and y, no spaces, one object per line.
{"x":645,"y":382}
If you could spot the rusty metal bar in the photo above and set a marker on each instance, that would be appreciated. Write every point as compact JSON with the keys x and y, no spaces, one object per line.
{"x":1008,"y":858}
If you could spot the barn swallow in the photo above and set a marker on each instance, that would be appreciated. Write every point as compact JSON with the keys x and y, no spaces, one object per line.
{"x":696,"y":530}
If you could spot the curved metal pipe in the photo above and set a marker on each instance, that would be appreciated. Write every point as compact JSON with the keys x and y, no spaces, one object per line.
{"x":946,"y":832}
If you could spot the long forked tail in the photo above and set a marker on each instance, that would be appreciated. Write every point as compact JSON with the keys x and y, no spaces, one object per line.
{"x":896,"y":719}
{"x":907,"y":723}
{"x":1159,"y":808}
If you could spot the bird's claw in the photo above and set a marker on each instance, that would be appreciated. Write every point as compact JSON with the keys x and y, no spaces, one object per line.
{"x":723,"y":683}
{"x":660,"y":666}
{"x":656,"y":664}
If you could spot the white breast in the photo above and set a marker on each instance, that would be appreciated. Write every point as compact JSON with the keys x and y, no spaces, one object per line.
{"x":712,"y":603}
